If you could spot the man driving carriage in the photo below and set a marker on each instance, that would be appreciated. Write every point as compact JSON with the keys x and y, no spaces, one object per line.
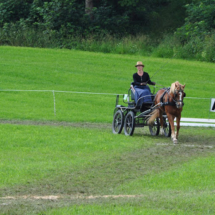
{"x":140,"y":80}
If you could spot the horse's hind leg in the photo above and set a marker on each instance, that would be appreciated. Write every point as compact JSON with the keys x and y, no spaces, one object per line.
{"x":161,"y":122}
{"x":178,"y":126}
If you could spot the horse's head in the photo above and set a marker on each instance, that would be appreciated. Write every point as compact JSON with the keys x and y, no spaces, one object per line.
{"x":178,"y":91}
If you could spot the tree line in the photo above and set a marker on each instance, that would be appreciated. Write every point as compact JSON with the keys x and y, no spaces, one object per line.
{"x":59,"y":20}
{"x":118,"y":18}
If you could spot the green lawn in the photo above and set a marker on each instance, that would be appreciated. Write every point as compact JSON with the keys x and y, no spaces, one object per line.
{"x":67,"y":149}
{"x":69,"y":161}
{"x":76,"y":71}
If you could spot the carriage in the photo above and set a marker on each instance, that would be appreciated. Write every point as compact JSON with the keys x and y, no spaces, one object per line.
{"x":131,"y":115}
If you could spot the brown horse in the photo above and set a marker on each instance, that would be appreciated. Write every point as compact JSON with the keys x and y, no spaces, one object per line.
{"x":170,"y":101}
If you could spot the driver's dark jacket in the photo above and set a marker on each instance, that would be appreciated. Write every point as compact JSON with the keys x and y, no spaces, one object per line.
{"x":140,"y":79}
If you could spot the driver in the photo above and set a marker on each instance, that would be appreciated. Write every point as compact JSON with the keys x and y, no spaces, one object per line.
{"x":141,"y":79}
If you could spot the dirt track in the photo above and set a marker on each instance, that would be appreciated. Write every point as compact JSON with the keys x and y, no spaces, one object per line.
{"x":54,"y":197}
{"x":69,"y":124}
{"x":55,"y":123}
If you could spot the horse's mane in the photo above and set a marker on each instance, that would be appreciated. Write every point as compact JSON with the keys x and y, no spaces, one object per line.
{"x":173,"y":86}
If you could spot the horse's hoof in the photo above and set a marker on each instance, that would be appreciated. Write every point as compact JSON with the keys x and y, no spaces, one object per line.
{"x":175,"y":141}
{"x":161,"y":132}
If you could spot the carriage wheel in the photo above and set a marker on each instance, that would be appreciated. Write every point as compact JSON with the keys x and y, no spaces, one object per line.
{"x":118,"y":121}
{"x":129,"y":123}
{"x":155,"y":128}
{"x":166,"y":127}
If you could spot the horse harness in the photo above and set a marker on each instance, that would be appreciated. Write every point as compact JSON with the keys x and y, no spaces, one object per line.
{"x":167,"y":90}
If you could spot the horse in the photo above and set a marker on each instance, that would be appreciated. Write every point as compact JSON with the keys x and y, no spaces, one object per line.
{"x":169,"y":101}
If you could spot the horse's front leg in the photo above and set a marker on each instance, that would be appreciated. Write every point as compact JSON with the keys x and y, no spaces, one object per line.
{"x":178,"y":125}
{"x":171,"y":122}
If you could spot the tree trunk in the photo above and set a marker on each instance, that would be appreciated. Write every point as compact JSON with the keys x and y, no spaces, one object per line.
{"x":88,"y":7}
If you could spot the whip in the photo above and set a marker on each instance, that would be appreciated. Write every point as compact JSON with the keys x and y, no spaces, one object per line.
{"x":161,"y":68}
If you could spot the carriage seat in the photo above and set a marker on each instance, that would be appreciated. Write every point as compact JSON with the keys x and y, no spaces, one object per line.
{"x":132,"y":92}
{"x":131,"y":98}
{"x":145,"y":105}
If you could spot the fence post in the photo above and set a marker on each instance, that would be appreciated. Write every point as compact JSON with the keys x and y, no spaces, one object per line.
{"x":54,"y":103}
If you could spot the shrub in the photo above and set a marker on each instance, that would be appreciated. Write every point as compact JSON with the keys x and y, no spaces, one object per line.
{"x":199,"y":22}
{"x":208,"y":52}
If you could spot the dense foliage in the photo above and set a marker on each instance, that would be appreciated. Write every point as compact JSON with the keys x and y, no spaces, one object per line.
{"x":169,"y":26}
{"x":200,"y":20}
{"x":112,"y":17}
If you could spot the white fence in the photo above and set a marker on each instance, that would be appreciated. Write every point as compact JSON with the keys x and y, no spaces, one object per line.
{"x":199,"y":122}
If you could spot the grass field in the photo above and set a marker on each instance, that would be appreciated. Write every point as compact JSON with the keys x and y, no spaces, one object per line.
{"x":71,"y":163}
{"x":76,"y":71}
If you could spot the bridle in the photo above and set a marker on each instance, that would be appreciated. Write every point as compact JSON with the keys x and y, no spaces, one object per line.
{"x":179,"y":103}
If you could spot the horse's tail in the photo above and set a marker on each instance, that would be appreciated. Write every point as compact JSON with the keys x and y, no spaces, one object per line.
{"x":153,"y":116}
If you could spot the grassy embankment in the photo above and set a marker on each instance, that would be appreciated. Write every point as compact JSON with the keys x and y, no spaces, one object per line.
{"x":69,"y":161}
